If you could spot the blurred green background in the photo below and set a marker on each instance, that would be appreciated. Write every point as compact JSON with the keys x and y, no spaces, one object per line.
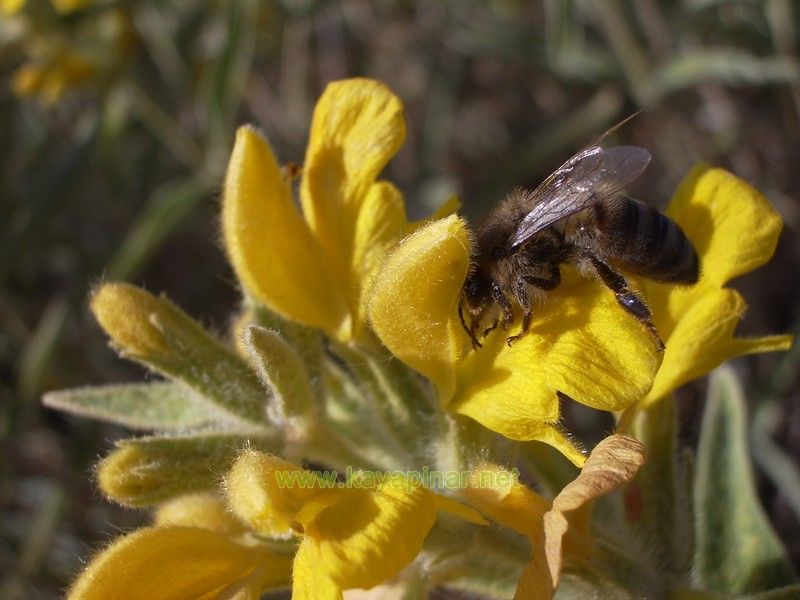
{"x":116,"y":120}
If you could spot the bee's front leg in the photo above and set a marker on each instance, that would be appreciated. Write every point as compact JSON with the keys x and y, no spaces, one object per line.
{"x":505,"y":306}
{"x":524,"y":301}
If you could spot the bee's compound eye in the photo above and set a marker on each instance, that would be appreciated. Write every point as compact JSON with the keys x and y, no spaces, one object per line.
{"x":475,"y":288}
{"x":471,"y":288}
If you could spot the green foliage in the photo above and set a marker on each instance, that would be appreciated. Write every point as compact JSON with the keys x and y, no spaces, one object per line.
{"x":736,"y":549}
{"x":202,"y":363}
{"x":662,"y":495}
{"x":282,"y":371}
{"x":158,"y":406}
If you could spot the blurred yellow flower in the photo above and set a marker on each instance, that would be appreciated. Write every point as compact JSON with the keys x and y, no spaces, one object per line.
{"x":315,"y":267}
{"x":48,"y":80}
{"x":61,"y":54}
{"x":558,"y":530}
{"x":195,"y":550}
{"x":10,"y":7}
{"x":352,"y":535}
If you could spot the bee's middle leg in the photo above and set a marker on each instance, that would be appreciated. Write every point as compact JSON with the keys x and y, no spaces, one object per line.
{"x":627,"y":299}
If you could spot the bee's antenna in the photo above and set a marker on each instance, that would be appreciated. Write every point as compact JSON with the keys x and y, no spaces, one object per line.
{"x":613,"y":128}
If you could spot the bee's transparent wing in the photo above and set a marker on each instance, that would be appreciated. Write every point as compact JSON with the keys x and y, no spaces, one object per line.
{"x":591,"y":176}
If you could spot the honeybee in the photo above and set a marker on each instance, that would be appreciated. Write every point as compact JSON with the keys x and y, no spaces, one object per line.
{"x":578,"y":215}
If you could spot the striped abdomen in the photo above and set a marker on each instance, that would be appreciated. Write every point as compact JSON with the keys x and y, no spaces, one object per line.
{"x":643,"y":241}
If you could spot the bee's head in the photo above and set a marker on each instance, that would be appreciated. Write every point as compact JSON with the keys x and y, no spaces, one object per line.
{"x":477,"y":291}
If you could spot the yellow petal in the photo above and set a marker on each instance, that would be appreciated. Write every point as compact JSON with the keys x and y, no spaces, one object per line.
{"x":177,"y":563}
{"x":498,"y":493}
{"x":269,"y":244}
{"x":732,"y":226}
{"x":381,"y":223}
{"x":457,"y":509}
{"x":267,"y":492}
{"x":206,"y":511}
{"x":703,"y":339}
{"x":365,"y":538}
{"x":357,"y":127}
{"x":735,"y":230}
{"x":309,"y":581}
{"x":580,"y":343}
{"x":412,"y":304}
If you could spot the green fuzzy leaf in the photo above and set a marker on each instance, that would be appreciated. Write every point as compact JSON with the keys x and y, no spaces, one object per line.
{"x":211,"y":369}
{"x":281,"y":370}
{"x":736,"y":549}
{"x":306,"y":341}
{"x":790,"y":592}
{"x":659,"y":503}
{"x":149,"y":470}
{"x":726,"y":65}
{"x":154,"y":331}
{"x":157,"y":406}
{"x":587,"y":584}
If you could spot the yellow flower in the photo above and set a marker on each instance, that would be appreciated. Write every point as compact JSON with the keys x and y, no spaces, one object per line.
{"x":581,"y":342}
{"x":351,"y":536}
{"x":10,"y":7}
{"x":557,"y":530}
{"x":315,"y":267}
{"x":49,"y":79}
{"x":195,"y":550}
{"x":735,"y":230}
